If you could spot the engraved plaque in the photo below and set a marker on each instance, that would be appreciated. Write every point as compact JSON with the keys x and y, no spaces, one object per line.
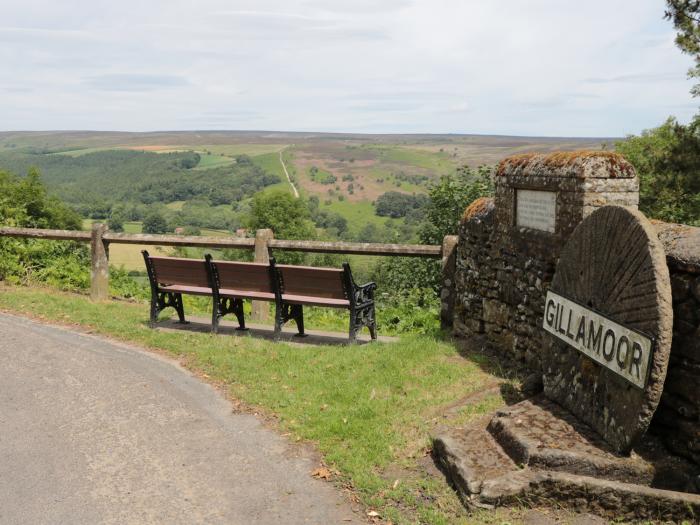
{"x":536,"y":209}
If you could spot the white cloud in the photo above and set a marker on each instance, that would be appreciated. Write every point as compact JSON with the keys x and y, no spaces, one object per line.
{"x":542,"y":67}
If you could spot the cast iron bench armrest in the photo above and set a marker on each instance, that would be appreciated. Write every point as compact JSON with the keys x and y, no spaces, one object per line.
{"x":364,"y":294}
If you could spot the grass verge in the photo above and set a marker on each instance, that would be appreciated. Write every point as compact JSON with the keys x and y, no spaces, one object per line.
{"x":368,"y":409}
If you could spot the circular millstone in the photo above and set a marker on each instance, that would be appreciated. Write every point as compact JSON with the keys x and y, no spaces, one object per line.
{"x":613,"y":264}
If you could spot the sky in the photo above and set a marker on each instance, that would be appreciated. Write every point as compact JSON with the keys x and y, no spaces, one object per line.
{"x":593,"y":68}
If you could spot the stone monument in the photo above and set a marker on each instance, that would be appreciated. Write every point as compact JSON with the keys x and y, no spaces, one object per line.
{"x":562,"y":273}
{"x":610,"y":315}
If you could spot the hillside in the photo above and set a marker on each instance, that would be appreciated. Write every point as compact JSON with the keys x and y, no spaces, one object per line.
{"x":206,"y":177}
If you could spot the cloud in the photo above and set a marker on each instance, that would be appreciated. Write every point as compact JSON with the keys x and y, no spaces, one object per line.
{"x":135,"y":82}
{"x":542,"y":67}
{"x":634,"y":78}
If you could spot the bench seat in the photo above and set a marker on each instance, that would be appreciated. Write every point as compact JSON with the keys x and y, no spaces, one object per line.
{"x":191,"y":290}
{"x":247,"y":294}
{"x":315,"y":301}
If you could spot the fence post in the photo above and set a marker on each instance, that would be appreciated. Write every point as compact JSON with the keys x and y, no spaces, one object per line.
{"x":447,"y":292}
{"x":261,"y":309}
{"x":99,"y":267}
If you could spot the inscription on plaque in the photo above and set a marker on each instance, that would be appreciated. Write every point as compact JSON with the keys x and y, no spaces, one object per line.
{"x":621,"y":350}
{"x":536,"y":209}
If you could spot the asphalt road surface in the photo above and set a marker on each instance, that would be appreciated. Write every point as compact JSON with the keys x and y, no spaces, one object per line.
{"x":93,"y":431}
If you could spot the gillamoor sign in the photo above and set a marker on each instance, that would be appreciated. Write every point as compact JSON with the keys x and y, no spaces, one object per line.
{"x":620,"y":349}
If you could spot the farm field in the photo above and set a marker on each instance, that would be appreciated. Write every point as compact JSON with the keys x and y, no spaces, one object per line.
{"x":346,"y":172}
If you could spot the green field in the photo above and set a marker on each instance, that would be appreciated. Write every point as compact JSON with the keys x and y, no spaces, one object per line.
{"x":232,"y":150}
{"x":79,"y":152}
{"x":212,"y":161}
{"x":270,"y":162}
{"x":175,"y":205}
{"x":440,"y":163}
{"x":358,"y":214}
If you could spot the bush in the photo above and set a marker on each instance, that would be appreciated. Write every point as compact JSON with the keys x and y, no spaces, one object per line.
{"x":396,"y":204}
{"x":154,"y":222}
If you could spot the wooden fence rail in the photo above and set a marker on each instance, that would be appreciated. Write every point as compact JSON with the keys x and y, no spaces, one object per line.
{"x":263,"y":244}
{"x":352,"y":248}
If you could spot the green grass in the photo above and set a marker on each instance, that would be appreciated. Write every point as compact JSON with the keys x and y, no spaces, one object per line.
{"x":358,"y":214}
{"x":240,"y":149}
{"x":212,"y":161}
{"x":175,"y":205}
{"x":368,"y":409}
{"x":80,"y":152}
{"x":132,"y":227}
{"x":270,"y":162}
{"x":208,"y":232}
{"x":440,"y":163}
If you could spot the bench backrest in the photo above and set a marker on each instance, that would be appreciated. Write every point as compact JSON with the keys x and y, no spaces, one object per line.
{"x":175,"y":270}
{"x":246,"y":276}
{"x":316,"y":282}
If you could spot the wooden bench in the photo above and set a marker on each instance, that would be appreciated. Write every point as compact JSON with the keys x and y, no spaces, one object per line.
{"x":170,"y":277}
{"x":289,"y":287}
{"x":297,"y":286}
{"x":234,"y":281}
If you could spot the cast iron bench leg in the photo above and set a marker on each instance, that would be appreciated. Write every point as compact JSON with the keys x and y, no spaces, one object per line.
{"x":238,"y":311}
{"x":177,"y":303}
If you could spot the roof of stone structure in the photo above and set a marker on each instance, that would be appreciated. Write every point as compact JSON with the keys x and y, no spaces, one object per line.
{"x":578,"y":164}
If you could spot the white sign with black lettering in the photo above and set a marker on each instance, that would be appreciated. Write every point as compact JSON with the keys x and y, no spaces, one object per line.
{"x":536,"y":209}
{"x":620,"y":349}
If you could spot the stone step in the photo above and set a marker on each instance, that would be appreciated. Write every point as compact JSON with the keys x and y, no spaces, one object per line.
{"x":535,"y":452}
{"x":612,"y":499}
{"x":470,"y":456}
{"x":540,"y":434}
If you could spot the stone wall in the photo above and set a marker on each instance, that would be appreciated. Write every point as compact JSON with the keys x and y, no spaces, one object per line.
{"x":503,"y":272}
{"x":677,"y":418}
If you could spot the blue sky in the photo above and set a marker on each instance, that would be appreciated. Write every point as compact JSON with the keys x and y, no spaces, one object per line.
{"x":540,"y":67}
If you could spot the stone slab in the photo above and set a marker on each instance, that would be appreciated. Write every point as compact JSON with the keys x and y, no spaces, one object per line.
{"x":470,"y":456}
{"x":611,"y":499}
{"x":612,"y":264}
{"x":540,"y":434}
{"x":536,"y":453}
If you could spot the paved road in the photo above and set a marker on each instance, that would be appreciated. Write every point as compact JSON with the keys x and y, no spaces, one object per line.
{"x":97,"y":432}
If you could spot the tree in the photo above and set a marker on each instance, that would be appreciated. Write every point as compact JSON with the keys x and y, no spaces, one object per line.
{"x":24,"y":202}
{"x":154,"y":222}
{"x":115,"y":223}
{"x":396,"y":204}
{"x":685,"y":15}
{"x":287,"y":216}
{"x":450,"y":197}
{"x":667,"y":160}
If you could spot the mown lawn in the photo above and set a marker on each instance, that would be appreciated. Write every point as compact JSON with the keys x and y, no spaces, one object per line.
{"x":369,"y":409}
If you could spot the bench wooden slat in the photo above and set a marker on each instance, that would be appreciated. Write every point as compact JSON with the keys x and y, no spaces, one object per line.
{"x":315,"y":301}
{"x":194,"y":290}
{"x":247,"y":294}
{"x":176,"y":271}
{"x":249,"y":277}
{"x":326,"y":283}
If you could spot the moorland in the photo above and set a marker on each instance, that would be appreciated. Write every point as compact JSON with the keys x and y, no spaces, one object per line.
{"x":368,"y":188}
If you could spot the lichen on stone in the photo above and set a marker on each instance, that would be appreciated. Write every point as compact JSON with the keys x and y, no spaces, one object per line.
{"x":567,"y":163}
{"x":478,"y":208}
